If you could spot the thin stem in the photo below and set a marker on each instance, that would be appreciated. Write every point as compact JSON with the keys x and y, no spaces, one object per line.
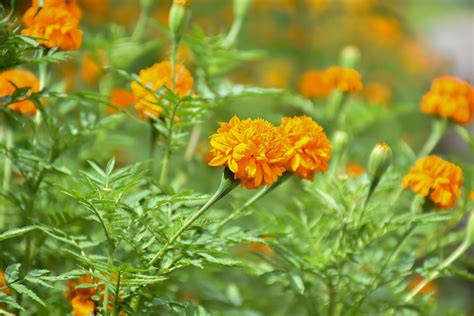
{"x":443,"y":265}
{"x":140,"y":25}
{"x":224,"y":188}
{"x":117,"y":293}
{"x":7,"y":166}
{"x":437,"y":132}
{"x":110,"y":262}
{"x":332,"y":298}
{"x":234,"y":31}
{"x":153,"y":138}
{"x":166,"y":158}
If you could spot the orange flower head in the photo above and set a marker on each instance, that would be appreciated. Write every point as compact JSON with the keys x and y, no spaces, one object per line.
{"x":344,"y":79}
{"x":3,"y":283}
{"x":314,"y":84}
{"x":21,"y":79}
{"x":81,"y":298}
{"x":69,"y":5}
{"x":377,"y":93}
{"x":471,"y":195}
{"x":121,"y":98}
{"x":311,"y":150}
{"x":253,"y":150}
{"x":450,"y":97}
{"x":156,"y":77}
{"x":354,"y":169}
{"x":431,"y":288}
{"x":92,"y":64}
{"x":57,"y":26}
{"x":438,"y":178}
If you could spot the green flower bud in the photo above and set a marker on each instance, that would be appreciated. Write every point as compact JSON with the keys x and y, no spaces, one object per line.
{"x":241,"y":7}
{"x":350,"y":57}
{"x":380,"y":160}
{"x":179,"y":16}
{"x":340,"y":140}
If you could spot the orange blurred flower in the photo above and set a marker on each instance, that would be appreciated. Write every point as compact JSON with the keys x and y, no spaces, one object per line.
{"x":440,"y":179}
{"x":262,"y":249}
{"x":69,"y":5}
{"x":156,"y":77}
{"x":431,"y":288}
{"x":276,"y":73}
{"x":311,"y":150}
{"x":81,"y":298}
{"x":450,"y":97}
{"x":121,"y":98}
{"x":344,"y":79}
{"x":21,"y":79}
{"x":253,"y":150}
{"x":91,"y":67}
{"x":3,"y":283}
{"x":58,"y":26}
{"x":354,"y":169}
{"x":377,"y":93}
{"x":471,"y":195}
{"x":385,"y":30}
{"x":314,"y":84}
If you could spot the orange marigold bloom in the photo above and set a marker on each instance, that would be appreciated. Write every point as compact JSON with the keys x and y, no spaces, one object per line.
{"x":431,"y":288}
{"x":21,"y":79}
{"x":253,"y":150}
{"x":311,"y":149}
{"x":70,"y":5}
{"x":440,"y":179}
{"x":344,"y":79}
{"x":156,"y":77}
{"x":57,"y":25}
{"x":450,"y":97}
{"x":314,"y":84}
{"x":92,"y":64}
{"x":3,"y":283}
{"x":81,"y":298}
{"x":354,"y":169}
{"x":121,"y":98}
{"x":377,"y":93}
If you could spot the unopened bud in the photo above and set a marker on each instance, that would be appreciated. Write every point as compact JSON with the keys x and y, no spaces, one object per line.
{"x":340,"y":140}
{"x":241,"y":7}
{"x":350,"y":57}
{"x":380,"y":160}
{"x":179,"y":16}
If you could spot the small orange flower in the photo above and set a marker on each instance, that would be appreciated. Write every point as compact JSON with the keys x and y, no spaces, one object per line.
{"x":121,"y":98}
{"x":311,"y":149}
{"x":91,"y":67}
{"x":69,"y":5}
{"x":440,"y":179}
{"x":81,"y":298}
{"x":3,"y":283}
{"x":377,"y":93}
{"x":450,"y":97}
{"x":354,"y":169}
{"x":344,"y":79}
{"x":253,"y":150}
{"x":431,"y":288}
{"x":314,"y":84}
{"x":156,"y":77}
{"x":58,"y":26}
{"x":471,"y":195}
{"x":21,"y":79}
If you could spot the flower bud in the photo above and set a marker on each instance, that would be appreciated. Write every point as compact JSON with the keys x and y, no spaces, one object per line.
{"x":340,"y":140}
{"x":350,"y":56}
{"x":179,"y":17}
{"x":380,"y":160}
{"x":241,"y":7}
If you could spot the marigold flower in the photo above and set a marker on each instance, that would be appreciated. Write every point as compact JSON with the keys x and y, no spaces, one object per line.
{"x":81,"y":298}
{"x":92,"y":64}
{"x":253,"y":150}
{"x":354,"y":169}
{"x":450,"y":97}
{"x":344,"y":79}
{"x":57,"y":25}
{"x":21,"y":79}
{"x":314,"y":84}
{"x":121,"y":98}
{"x":440,"y":179}
{"x":69,"y":5}
{"x":431,"y":288}
{"x":3,"y":283}
{"x":156,"y":77}
{"x":311,"y":149}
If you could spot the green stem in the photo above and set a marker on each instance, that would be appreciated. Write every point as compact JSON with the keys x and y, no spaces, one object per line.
{"x":234,"y":31}
{"x":110,"y":262}
{"x":226,"y":185}
{"x":7,"y":166}
{"x":140,"y":25}
{"x":437,"y":132}
{"x":332,"y":298}
{"x":443,"y":265}
{"x":117,"y":293}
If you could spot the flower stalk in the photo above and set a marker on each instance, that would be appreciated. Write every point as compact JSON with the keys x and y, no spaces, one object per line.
{"x":226,"y":185}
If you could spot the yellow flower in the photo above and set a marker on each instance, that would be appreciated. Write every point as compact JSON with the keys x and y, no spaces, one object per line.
{"x":57,"y":25}
{"x":253,"y":150}
{"x":438,"y":178}
{"x":21,"y":79}
{"x":311,"y":150}
{"x":314,"y":84}
{"x":344,"y":79}
{"x":156,"y":77}
{"x":450,"y":97}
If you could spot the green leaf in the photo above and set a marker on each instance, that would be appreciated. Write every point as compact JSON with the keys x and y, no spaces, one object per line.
{"x":16,"y":232}
{"x":20,"y":288}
